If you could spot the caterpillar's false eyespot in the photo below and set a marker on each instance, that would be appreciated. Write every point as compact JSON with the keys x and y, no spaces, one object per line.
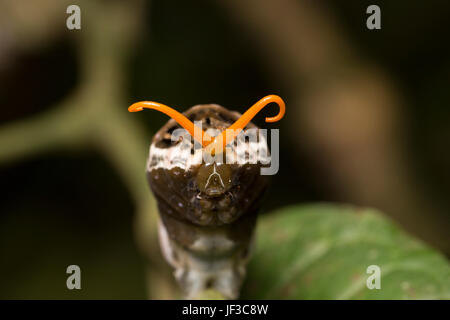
{"x":201,"y":136}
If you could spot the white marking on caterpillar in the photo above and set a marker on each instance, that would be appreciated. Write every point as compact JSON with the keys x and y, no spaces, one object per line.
{"x":224,"y":274}
{"x":240,"y":152}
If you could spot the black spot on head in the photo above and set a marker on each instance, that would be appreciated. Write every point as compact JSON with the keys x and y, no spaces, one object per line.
{"x":172,"y":129}
{"x":164,"y":143}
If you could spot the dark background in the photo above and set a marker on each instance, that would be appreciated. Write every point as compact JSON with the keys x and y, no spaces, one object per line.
{"x":367,"y":120}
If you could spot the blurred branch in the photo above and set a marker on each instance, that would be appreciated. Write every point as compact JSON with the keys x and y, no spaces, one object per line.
{"x":96,"y":114}
{"x":39,"y":134}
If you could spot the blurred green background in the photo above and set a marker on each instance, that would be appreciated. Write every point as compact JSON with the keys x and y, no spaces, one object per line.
{"x":367,"y":121}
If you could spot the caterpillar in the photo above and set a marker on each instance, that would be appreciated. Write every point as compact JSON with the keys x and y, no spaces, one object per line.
{"x":208,"y":205}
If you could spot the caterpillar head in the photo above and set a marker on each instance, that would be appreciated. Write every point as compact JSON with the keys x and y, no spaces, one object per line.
{"x":208,"y":176}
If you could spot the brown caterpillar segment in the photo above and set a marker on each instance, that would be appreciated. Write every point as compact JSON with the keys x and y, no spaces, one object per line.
{"x":208,"y":209}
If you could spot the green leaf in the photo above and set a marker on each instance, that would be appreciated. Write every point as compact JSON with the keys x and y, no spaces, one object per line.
{"x":323,"y":251}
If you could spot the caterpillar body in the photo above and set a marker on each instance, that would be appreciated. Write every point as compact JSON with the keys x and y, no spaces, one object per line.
{"x":208,"y":208}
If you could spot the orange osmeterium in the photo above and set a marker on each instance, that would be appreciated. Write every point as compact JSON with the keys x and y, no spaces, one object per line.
{"x":224,"y":138}
{"x":177,"y":116}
